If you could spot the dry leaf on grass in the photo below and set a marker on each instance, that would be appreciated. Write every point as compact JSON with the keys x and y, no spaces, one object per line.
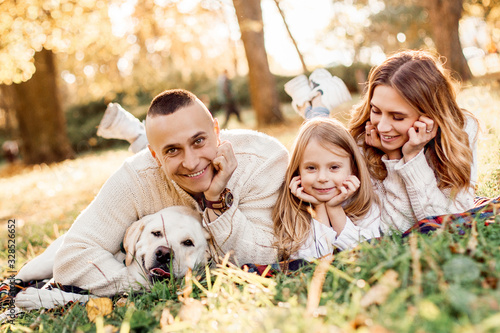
{"x":166,"y":319}
{"x":191,"y":310}
{"x":378,"y":293}
{"x":121,"y":302}
{"x":98,"y":307}
{"x":316,"y":286}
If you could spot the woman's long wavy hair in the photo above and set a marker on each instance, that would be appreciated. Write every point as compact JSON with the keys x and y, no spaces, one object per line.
{"x":420,"y":78}
{"x":291,"y":216}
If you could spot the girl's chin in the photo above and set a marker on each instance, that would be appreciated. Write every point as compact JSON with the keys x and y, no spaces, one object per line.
{"x":323,"y":198}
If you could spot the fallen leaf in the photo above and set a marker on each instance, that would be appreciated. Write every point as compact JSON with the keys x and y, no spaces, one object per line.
{"x":379,"y":292}
{"x":98,"y":307}
{"x":121,"y":302}
{"x":360,"y":321}
{"x":110,"y":329}
{"x":166,"y":318}
{"x":191,"y":310}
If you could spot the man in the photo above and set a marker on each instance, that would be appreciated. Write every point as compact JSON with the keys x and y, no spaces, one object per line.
{"x":226,"y":98}
{"x":191,"y":163}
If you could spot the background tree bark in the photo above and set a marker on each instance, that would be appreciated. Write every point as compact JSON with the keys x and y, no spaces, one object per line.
{"x":263,"y":94}
{"x":445,"y":16}
{"x":301,"y":57}
{"x":41,"y":120}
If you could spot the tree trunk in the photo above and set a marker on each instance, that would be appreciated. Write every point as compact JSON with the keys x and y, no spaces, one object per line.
{"x":263,"y":94}
{"x":41,"y":120}
{"x":301,"y":57}
{"x":444,"y":16}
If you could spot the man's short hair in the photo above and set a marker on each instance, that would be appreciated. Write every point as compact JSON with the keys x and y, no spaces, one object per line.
{"x":170,"y":101}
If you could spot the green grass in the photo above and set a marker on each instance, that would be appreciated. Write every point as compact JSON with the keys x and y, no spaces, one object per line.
{"x":446,"y":281}
{"x":453,"y":289}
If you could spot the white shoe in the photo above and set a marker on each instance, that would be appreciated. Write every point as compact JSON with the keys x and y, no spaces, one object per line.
{"x":299,"y":90}
{"x":117,"y":123}
{"x":333,"y":90}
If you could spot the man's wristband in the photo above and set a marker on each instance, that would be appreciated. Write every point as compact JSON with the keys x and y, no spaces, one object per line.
{"x":224,"y":203}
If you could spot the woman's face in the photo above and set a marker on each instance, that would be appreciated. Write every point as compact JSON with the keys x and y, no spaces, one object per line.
{"x":392,"y":116}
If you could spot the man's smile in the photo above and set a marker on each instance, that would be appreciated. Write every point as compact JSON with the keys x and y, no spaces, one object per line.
{"x":197,"y":174}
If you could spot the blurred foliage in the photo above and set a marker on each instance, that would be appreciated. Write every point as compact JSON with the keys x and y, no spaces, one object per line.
{"x":115,"y":46}
{"x":62,"y":26}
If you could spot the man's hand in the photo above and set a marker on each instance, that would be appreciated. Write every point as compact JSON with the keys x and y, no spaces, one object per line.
{"x":423,"y":131}
{"x":224,"y":165}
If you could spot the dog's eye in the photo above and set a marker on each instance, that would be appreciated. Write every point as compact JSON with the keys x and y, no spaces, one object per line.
{"x":188,"y":242}
{"x":156,"y":233}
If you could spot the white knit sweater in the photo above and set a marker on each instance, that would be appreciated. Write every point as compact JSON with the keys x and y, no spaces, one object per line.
{"x":324,"y":240}
{"x":141,"y":188}
{"x":410,"y":193}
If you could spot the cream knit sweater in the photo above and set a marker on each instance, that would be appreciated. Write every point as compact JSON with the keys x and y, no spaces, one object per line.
{"x":410,"y":193}
{"x":141,"y":188}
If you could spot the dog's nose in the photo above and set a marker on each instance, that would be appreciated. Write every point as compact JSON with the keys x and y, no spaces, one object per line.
{"x":163,"y":254}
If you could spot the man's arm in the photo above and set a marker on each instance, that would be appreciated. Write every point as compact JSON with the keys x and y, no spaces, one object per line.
{"x":246,"y":228}
{"x":86,"y":258}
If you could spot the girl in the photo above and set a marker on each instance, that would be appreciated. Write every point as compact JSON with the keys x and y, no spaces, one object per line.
{"x":420,"y":147}
{"x":327,"y":199}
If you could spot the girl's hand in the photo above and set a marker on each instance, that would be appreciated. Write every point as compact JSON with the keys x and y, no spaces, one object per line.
{"x":423,"y":131}
{"x":298,"y":191}
{"x":350,"y":186}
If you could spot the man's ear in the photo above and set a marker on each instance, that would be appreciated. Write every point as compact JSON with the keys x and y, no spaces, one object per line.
{"x":154,"y":155}
{"x":217,"y":130}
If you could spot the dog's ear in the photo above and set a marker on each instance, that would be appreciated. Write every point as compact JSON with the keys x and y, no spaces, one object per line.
{"x":206,"y":234}
{"x":130,"y":240}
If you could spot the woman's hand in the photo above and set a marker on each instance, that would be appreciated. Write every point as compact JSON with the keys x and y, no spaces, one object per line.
{"x":372,"y":138}
{"x":423,"y":131}
{"x":298,"y":191}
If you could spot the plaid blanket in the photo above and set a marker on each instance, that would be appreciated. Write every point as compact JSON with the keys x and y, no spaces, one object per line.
{"x":484,"y":209}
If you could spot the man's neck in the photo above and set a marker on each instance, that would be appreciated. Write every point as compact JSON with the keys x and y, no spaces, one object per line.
{"x":199,"y":199}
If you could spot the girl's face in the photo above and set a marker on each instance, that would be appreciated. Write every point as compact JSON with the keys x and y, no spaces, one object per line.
{"x":322,"y":170}
{"x":392,"y":116}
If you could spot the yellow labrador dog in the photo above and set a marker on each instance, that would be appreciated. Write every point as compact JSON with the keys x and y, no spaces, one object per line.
{"x":157,"y":246}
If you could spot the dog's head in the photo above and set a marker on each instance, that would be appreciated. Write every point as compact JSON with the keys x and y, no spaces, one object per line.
{"x":168,"y":242}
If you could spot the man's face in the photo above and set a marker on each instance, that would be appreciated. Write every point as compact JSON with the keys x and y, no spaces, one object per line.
{"x":184,"y":143}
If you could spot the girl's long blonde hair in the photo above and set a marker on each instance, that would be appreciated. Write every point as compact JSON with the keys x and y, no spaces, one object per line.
{"x":291,"y":217}
{"x":420,"y":78}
